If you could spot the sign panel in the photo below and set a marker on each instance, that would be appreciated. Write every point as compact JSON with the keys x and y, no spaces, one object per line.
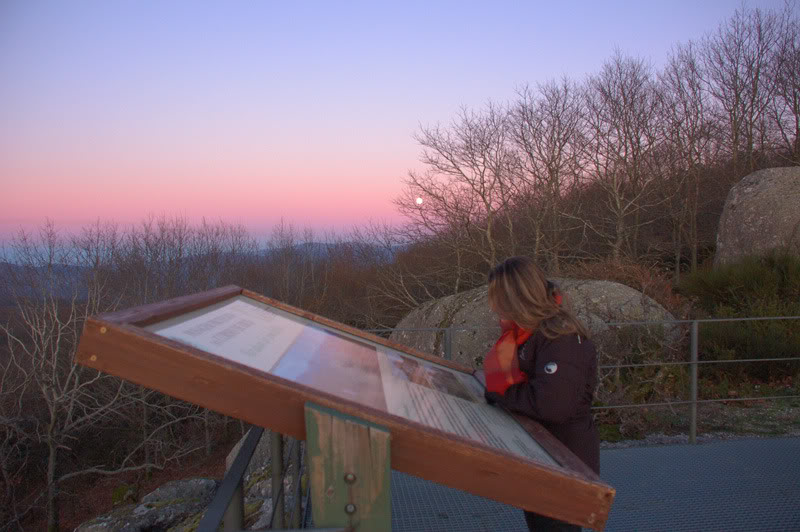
{"x":256,"y":359}
{"x":262,"y":337}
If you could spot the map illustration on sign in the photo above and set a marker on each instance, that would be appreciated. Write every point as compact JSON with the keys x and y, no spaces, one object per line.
{"x":268,"y":339}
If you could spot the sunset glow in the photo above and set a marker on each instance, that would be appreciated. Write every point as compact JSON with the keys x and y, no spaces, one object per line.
{"x":256,"y":112}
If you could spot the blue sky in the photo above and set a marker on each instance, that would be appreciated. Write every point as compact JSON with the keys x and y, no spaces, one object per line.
{"x":257,"y":111}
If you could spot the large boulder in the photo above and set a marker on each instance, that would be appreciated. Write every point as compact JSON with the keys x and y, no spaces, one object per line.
{"x":180,"y":505}
{"x":474,"y":328}
{"x":762,"y":213}
{"x":165,"y":508}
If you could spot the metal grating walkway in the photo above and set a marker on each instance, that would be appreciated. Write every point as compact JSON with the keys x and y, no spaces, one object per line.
{"x":732,"y":486}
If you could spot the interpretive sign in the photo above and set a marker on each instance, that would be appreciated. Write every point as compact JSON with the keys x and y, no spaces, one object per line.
{"x":250,"y":357}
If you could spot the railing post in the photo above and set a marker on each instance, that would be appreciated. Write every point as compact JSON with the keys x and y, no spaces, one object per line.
{"x":448,"y":344}
{"x":276,"y":460}
{"x":295,"y":461}
{"x":693,"y":377}
{"x":233,"y":520}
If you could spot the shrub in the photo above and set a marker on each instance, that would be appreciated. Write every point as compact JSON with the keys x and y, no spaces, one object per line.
{"x":753,"y":287}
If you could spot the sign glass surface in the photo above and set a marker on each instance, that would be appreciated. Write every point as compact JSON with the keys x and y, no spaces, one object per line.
{"x":268,"y":339}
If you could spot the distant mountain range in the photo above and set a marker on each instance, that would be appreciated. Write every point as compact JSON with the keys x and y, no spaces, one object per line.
{"x":16,"y":279}
{"x":322,"y":250}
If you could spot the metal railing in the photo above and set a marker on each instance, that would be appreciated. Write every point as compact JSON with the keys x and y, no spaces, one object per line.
{"x":693,"y":362}
{"x":227,"y":507}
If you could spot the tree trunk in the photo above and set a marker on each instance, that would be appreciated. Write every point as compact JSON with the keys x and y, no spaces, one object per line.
{"x":693,"y":221}
{"x":206,"y":422}
{"x":619,"y":239}
{"x":52,"y":488}
{"x":677,"y":240}
{"x":555,"y":264}
{"x":145,"y":424}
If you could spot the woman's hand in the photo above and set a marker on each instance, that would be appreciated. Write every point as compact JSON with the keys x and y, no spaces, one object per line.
{"x":492,"y":397}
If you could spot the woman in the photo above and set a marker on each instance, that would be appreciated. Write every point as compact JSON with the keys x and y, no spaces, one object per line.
{"x":558,"y":360}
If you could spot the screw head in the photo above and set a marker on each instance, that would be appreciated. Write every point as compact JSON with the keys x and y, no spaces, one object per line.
{"x":350,"y":509}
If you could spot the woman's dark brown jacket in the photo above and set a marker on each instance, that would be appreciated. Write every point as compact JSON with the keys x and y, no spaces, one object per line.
{"x":562,"y":377}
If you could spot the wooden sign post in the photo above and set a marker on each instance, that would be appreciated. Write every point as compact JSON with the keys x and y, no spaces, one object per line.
{"x":352,"y":395}
{"x":349,"y":463}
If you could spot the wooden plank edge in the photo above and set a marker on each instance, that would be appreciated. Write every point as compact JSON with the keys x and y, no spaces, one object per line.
{"x":316,"y":318}
{"x":555,"y":447}
{"x":143,"y":315}
{"x":150,"y":313}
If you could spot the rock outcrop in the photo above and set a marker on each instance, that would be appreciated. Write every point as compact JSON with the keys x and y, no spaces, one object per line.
{"x":475,"y":328}
{"x":168,"y":507}
{"x":180,"y":505}
{"x":761,"y":213}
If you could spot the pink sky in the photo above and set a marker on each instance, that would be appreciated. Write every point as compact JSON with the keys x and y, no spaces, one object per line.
{"x":336,"y":194}
{"x":255,"y":111}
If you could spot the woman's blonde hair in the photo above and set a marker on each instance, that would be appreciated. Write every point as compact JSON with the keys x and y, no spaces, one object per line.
{"x":519,"y":291}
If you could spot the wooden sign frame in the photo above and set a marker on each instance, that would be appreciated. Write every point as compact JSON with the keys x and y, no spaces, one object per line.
{"x":118,"y":343}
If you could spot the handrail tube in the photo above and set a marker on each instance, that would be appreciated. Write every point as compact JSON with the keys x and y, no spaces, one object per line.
{"x":682,"y":363}
{"x":668,"y":403}
{"x":610,"y":324}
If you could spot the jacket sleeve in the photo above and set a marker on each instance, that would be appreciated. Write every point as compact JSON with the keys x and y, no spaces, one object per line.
{"x":551,"y":396}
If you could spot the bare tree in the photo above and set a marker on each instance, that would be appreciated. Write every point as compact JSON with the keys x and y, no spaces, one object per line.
{"x":57,"y":286}
{"x":785,"y":106}
{"x":219,"y":253}
{"x":468,"y":186}
{"x":622,"y":105}
{"x":736,"y":60}
{"x":404,"y":272}
{"x":14,"y":443}
{"x":294,"y":267}
{"x":690,"y":135}
{"x":547,"y":125}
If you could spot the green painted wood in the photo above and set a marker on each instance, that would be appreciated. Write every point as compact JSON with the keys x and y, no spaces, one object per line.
{"x":349,"y":466}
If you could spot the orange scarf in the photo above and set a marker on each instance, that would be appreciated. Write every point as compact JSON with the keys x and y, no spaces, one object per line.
{"x":501,"y":365}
